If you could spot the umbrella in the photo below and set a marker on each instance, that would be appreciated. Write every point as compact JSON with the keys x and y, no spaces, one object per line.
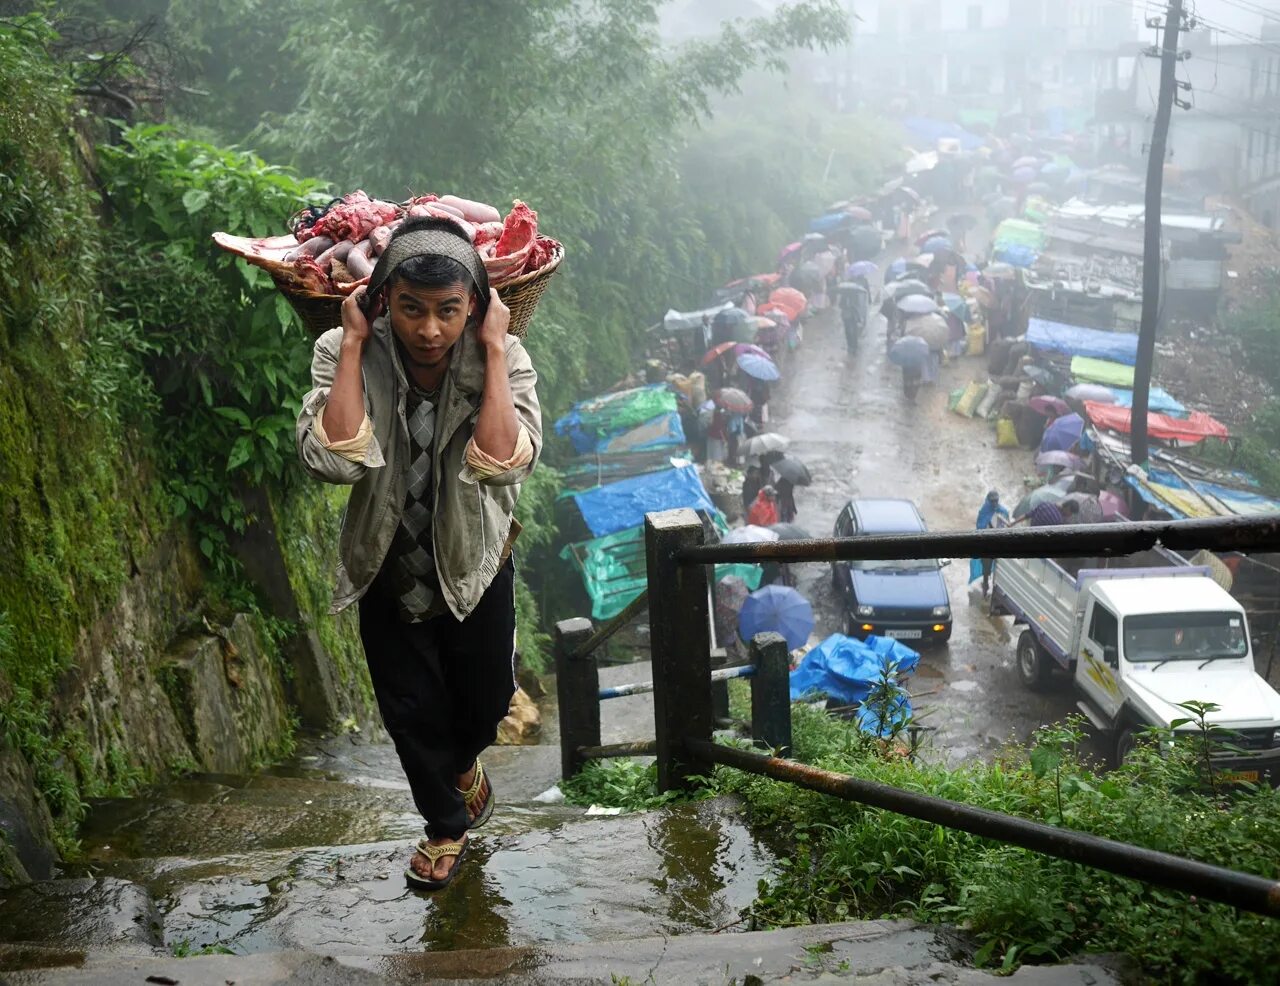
{"x":734,"y":400}
{"x":760,"y":444}
{"x":957,"y":306}
{"x":1029,"y":161}
{"x":861,"y":268}
{"x":1112,"y":506}
{"x":750,"y":534}
{"x":859,"y":212}
{"x":814,"y":238}
{"x":936,"y":244}
{"x":1062,"y":433}
{"x":897,"y":268}
{"x":790,"y":532}
{"x":865,"y":242}
{"x":778,"y":608}
{"x":916,"y":304}
{"x":907,"y":286}
{"x":1049,"y":405}
{"x":789,"y":249}
{"x":1024,"y":175}
{"x":746,"y":347}
{"x":793,"y":471}
{"x":716,"y":352}
{"x":758,"y":367}
{"x":924,"y":238}
{"x":1040,"y":188}
{"x":1044,"y":494}
{"x":789,"y":300}
{"x":1063,"y":459}
{"x":909,"y":351}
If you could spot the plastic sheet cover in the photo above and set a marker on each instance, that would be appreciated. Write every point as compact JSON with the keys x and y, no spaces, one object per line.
{"x":1193,"y":428}
{"x":845,"y":669}
{"x":618,"y":506}
{"x":1075,"y":340}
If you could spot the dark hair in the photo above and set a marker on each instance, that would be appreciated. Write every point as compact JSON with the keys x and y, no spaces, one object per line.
{"x":430,"y":271}
{"x":1070,"y":507}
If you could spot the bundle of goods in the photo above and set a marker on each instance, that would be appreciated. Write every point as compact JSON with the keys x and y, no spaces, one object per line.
{"x":331,"y":251}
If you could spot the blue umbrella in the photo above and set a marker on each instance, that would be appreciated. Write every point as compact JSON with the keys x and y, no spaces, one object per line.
{"x":778,"y":608}
{"x":935,"y":244}
{"x":909,"y":352}
{"x":896,"y":268}
{"x":760,"y":367}
{"x":1062,"y":433}
{"x":862,"y":268}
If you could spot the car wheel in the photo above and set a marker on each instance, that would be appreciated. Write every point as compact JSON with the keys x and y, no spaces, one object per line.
{"x":1126,"y":740}
{"x":848,"y":626}
{"x":1033,"y":663}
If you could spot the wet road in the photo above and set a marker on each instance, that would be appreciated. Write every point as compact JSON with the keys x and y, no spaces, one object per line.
{"x":848,"y":420}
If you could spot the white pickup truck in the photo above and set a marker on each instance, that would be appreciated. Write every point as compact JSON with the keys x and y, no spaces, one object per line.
{"x":1139,"y":640}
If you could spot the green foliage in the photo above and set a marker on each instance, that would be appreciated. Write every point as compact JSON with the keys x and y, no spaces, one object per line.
{"x":224,"y":348}
{"x":625,"y":783}
{"x":853,"y":861}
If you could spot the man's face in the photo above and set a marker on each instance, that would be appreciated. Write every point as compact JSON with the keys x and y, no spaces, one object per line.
{"x":428,"y":321}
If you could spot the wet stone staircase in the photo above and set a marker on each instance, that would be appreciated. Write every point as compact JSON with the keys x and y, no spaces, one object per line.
{"x":297,"y":873}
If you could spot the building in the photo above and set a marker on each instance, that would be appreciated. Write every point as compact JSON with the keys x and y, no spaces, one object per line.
{"x":981,"y":60}
{"x":1229,"y":140}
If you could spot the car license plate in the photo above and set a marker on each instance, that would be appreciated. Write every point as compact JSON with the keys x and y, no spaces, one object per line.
{"x":904,"y":634}
{"x":1236,"y":776}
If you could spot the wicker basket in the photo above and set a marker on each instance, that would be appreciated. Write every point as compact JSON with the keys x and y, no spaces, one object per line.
{"x":321,"y":312}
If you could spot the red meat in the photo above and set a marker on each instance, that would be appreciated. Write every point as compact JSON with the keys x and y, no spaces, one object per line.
{"x":519,"y":230}
{"x":353,"y":218}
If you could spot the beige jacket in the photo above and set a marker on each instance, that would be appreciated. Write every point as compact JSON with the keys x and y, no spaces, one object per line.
{"x":472,"y":526}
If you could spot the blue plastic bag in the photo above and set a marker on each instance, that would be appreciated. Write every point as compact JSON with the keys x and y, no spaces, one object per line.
{"x":845,"y":669}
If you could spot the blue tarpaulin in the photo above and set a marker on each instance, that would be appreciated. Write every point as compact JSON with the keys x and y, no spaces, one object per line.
{"x":1075,"y":340}
{"x":1160,"y":400}
{"x":845,"y":668}
{"x":616,"y":507}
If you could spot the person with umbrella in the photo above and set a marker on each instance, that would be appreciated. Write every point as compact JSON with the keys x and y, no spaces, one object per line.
{"x":991,"y":509}
{"x":764,"y":511}
{"x":753,"y":482}
{"x":791,"y":473}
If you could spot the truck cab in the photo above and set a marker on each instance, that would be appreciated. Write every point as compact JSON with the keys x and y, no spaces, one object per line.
{"x":1136,"y":643}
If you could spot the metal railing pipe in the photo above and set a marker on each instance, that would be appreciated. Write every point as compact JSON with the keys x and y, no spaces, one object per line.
{"x":639,"y":748}
{"x":1245,"y":891}
{"x":603,"y":633}
{"x":1062,"y":541}
{"x":640,"y":687}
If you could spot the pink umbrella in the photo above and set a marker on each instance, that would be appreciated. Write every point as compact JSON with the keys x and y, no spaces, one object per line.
{"x":1049,"y":405}
{"x":789,"y":249}
{"x":1112,"y":505}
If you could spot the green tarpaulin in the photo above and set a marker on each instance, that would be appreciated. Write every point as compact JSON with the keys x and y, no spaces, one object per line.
{"x":1101,"y":371}
{"x":1019,"y":232}
{"x":613,"y":570}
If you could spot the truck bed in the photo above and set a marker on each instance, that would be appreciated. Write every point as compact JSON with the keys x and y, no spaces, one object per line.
{"x":1045,"y":593}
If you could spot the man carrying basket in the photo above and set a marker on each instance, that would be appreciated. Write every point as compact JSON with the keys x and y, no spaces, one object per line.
{"x":430,"y":413}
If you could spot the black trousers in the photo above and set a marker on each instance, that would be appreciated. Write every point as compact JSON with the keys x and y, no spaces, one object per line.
{"x":443,"y":686}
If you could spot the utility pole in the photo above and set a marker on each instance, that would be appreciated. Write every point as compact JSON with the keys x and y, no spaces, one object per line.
{"x":1152,"y":260}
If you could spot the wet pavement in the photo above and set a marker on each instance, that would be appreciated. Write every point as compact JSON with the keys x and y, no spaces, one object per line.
{"x":848,"y":420}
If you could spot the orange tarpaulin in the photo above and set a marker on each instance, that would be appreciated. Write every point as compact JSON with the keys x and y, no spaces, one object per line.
{"x":1194,"y":427}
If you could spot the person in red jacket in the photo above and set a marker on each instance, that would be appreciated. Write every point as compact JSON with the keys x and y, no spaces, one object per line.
{"x":764,"y":512}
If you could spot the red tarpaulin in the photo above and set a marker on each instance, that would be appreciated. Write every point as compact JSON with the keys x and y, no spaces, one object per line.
{"x":1196,"y":426}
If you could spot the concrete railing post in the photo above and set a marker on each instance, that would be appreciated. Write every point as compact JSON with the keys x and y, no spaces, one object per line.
{"x":577,"y":692}
{"x":771,"y":693}
{"x":680,"y":640}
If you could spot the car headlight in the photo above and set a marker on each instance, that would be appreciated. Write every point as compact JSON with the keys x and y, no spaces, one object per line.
{"x":942,"y":612}
{"x":865,"y":611}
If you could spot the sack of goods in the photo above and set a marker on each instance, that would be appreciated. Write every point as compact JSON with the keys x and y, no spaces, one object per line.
{"x":331,"y":250}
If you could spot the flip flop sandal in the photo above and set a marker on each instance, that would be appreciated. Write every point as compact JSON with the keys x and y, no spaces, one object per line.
{"x":470,"y":796}
{"x":433,"y":853}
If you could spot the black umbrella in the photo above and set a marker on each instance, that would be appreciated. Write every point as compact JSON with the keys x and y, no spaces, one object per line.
{"x":793,"y":471}
{"x":790,"y":532}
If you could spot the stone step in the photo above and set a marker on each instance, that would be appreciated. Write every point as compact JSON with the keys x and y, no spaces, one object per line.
{"x":681,"y":870}
{"x":874,"y":953}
